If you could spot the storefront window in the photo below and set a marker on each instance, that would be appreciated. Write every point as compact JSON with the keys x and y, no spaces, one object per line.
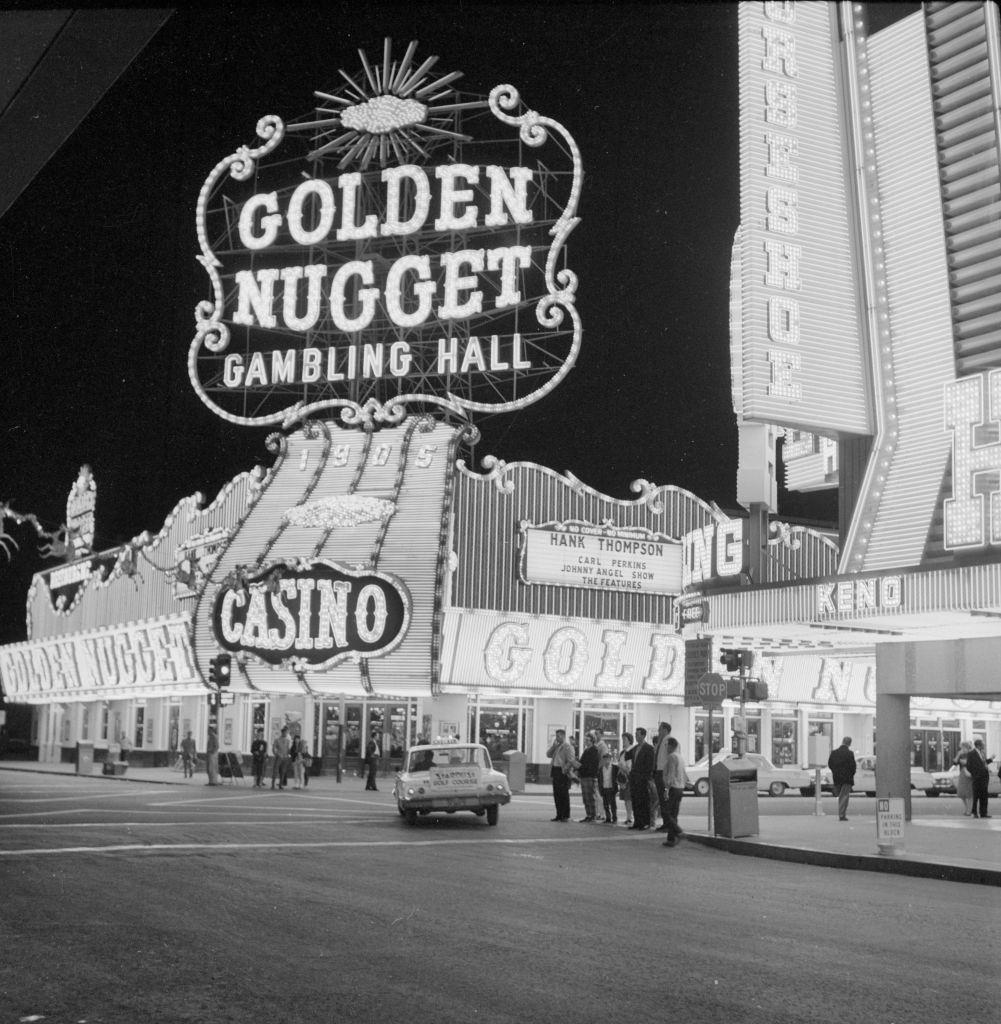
{"x":935,"y":745}
{"x":397,"y":730}
{"x":85,"y":724}
{"x":104,"y":721}
{"x":605,"y":722}
{"x":498,"y":730}
{"x":352,"y":730}
{"x":784,"y":741}
{"x":330,"y":727}
{"x":701,"y":723}
{"x":259,"y":715}
{"x":174,"y":728}
{"x":139,"y":730}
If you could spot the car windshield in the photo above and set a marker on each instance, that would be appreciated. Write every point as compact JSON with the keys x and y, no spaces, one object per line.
{"x":436,"y":757}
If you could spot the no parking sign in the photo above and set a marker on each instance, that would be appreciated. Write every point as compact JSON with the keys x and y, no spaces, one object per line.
{"x":890,"y":825}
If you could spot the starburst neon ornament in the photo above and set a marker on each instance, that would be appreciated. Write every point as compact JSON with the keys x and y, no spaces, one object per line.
{"x":392,"y":112}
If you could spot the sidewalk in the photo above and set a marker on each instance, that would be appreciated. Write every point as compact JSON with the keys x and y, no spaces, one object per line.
{"x":938,"y":842}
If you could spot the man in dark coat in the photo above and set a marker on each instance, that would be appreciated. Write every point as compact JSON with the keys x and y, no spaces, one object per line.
{"x":259,"y":756}
{"x":372,"y":755}
{"x":640,"y":775}
{"x":842,"y":765}
{"x":976,"y":764}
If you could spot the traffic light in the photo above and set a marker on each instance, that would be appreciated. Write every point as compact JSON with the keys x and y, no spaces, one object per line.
{"x":755,"y":690}
{"x":736,"y":659}
{"x":219,"y":670}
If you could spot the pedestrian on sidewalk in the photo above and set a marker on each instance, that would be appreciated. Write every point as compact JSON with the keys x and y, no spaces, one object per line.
{"x":659,"y":767}
{"x":976,"y":763}
{"x":608,"y":783}
{"x":675,"y":780}
{"x":189,"y":756}
{"x":641,"y":764}
{"x":624,"y":793}
{"x":588,"y":774}
{"x":300,"y":761}
{"x":964,"y":783}
{"x":562,"y":763}
{"x":280,"y":752}
{"x":259,"y":756}
{"x":212,"y":758}
{"x":372,"y":755}
{"x":842,"y":765}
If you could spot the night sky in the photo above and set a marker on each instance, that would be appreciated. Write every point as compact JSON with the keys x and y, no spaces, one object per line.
{"x":99,"y":281}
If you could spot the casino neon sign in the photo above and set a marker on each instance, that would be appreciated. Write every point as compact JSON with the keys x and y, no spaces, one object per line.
{"x":374,"y":274}
{"x":311,"y":614}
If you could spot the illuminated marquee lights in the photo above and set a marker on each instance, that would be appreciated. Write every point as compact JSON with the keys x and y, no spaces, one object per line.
{"x":717,"y":550}
{"x":509,"y":656}
{"x":783,"y":257}
{"x":408,"y":288}
{"x":311,"y":614}
{"x":973,"y":514}
{"x":857,"y":597}
{"x":384,"y":273}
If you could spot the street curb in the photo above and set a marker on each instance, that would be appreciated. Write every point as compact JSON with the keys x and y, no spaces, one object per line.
{"x":93,"y":775}
{"x":852,"y":862}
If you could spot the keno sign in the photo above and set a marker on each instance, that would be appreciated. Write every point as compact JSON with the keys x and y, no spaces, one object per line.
{"x":361,"y":272}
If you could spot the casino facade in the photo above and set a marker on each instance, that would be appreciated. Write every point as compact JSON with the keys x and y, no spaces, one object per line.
{"x":371,"y":302}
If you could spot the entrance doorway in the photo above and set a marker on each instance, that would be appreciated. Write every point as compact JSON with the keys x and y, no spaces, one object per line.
{"x":934,"y":748}
{"x":395,"y":725}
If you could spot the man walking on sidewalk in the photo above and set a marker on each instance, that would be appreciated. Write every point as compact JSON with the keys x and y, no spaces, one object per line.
{"x":675,"y":780}
{"x":842,"y":765}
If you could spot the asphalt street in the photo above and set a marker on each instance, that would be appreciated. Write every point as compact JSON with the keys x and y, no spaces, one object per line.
{"x":170,"y":903}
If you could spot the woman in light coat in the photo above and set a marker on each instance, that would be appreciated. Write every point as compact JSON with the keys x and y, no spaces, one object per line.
{"x":964,"y":784}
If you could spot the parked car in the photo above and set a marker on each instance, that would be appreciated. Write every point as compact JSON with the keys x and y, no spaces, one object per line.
{"x":772,"y":779}
{"x":945,"y":782}
{"x":450,"y":777}
{"x":865,"y":778}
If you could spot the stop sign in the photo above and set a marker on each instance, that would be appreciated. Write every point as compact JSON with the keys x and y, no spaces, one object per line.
{"x":711,"y":689}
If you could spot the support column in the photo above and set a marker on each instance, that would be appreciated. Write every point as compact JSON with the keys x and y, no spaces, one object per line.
{"x":893,"y":725}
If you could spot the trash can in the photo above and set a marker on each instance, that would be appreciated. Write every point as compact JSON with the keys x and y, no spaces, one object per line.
{"x":84,"y":758}
{"x":734,"y":786}
{"x":513,"y":766}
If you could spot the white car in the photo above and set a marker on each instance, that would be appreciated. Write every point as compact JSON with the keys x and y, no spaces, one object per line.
{"x":450,"y":777}
{"x":772,"y":779}
{"x":865,"y":778}
{"x":945,"y":782}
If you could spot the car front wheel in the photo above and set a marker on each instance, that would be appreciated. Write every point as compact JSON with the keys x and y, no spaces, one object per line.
{"x":776,"y":789}
{"x":701,"y":787}
{"x":493,"y":813}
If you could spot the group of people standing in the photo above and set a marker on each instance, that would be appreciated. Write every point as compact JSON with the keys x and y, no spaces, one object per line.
{"x":649,"y":779}
{"x":289,"y":754}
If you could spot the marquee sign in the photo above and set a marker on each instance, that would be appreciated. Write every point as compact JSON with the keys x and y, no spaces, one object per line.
{"x":313,"y":614}
{"x":368,"y":269}
{"x":800,"y":361}
{"x":115,"y":661}
{"x":603,"y":558}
